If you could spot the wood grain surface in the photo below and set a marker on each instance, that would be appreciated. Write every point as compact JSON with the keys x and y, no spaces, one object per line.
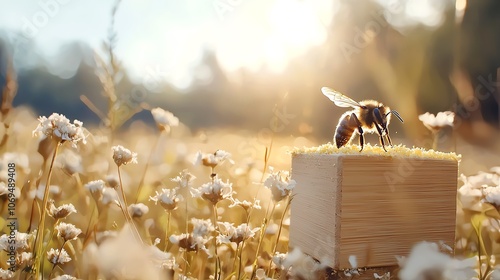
{"x":373,"y":208}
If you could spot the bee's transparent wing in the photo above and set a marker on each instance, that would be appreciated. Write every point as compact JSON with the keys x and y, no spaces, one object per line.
{"x":339,"y":99}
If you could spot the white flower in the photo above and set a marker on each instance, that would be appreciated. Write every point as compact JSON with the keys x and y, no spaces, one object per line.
{"x":425,"y":258}
{"x":214,"y":191}
{"x":164,"y":119}
{"x":190,"y":242}
{"x":481,"y":179}
{"x":202,"y":227}
{"x":60,"y":128}
{"x":64,"y":277}
{"x":492,"y":195}
{"x":229,"y":233}
{"x":495,"y":169}
{"x":212,"y":160}
{"x":496,"y":273}
{"x":138,"y":210}
{"x":168,"y":198}
{"x":280,"y":184}
{"x":95,"y":186}
{"x":299,"y":265}
{"x":21,"y":161}
{"x":71,"y":161}
{"x":4,"y":190}
{"x":39,"y":192}
{"x":20,"y":244}
{"x":161,"y":259}
{"x":68,"y":231}
{"x":122,"y":155}
{"x":184,"y":179}
{"x":245,"y":204}
{"x":260,"y":274}
{"x":109,"y":195}
{"x":6,"y":274}
{"x":353,"y":261}
{"x":272,"y":229}
{"x":439,"y":121}
{"x":279,"y":260}
{"x":24,"y":257}
{"x":112,"y":181}
{"x":62,"y":211}
{"x":58,"y":257}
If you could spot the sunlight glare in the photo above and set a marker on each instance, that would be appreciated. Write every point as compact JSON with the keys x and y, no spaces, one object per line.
{"x":291,"y":27}
{"x":460,"y":6}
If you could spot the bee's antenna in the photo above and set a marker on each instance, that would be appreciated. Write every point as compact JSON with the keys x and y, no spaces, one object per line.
{"x":395,"y":113}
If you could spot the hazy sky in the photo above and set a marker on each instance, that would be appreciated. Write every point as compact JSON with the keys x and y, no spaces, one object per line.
{"x":166,"y":37}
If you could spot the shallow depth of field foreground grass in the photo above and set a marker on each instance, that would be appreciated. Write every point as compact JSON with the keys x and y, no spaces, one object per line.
{"x":93,"y":203}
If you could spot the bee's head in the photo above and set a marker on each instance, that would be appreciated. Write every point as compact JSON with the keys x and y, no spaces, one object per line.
{"x":382,"y":115}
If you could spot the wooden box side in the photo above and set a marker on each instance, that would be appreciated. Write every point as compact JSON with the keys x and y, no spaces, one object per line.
{"x":389,"y":204}
{"x":315,"y":208}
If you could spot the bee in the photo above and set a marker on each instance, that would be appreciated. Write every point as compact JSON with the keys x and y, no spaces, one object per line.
{"x":368,"y":116}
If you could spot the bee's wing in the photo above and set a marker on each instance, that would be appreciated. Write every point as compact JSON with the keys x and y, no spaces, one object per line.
{"x":339,"y":99}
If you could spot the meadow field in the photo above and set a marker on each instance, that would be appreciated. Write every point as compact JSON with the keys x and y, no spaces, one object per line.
{"x":181,"y":168}
{"x":160,"y":203}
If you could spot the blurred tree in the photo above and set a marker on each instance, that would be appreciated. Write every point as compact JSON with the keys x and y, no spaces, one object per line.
{"x":479,"y":54}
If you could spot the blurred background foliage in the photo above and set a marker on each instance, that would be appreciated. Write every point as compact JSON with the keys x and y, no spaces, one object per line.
{"x":372,"y":51}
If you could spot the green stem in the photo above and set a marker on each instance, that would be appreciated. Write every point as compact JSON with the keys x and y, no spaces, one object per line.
{"x":167,"y":230}
{"x":435,"y":140}
{"x":216,"y":271}
{"x":58,"y":256}
{"x":279,"y":231}
{"x":41,"y":226}
{"x":141,"y":183}
{"x":124,"y":208}
{"x":262,"y":233}
{"x":235,"y":257}
{"x":239,"y":257}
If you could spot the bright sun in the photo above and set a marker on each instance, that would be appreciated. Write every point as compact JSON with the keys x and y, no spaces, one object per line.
{"x":281,"y":31}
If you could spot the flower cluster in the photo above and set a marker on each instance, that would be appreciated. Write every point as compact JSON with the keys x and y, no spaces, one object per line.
{"x":168,"y":198}
{"x":164,"y":119}
{"x":67,"y":231}
{"x":123,"y":156}
{"x":229,"y":233}
{"x":280,"y":184}
{"x":184,"y":179}
{"x":436,"y":122}
{"x":138,"y":210}
{"x":478,"y":218}
{"x":212,"y":160}
{"x":62,"y":211}
{"x":58,"y":127}
{"x":478,"y":189}
{"x":426,"y":259}
{"x":58,"y":257}
{"x":214,"y":191}
{"x":20,"y":244}
{"x":197,"y":239}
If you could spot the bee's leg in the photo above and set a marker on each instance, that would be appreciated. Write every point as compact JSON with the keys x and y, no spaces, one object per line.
{"x":360,"y":131}
{"x":380,"y":131}
{"x":387,"y":135}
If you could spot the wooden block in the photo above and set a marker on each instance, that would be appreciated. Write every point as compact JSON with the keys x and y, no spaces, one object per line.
{"x":372,"y":205}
